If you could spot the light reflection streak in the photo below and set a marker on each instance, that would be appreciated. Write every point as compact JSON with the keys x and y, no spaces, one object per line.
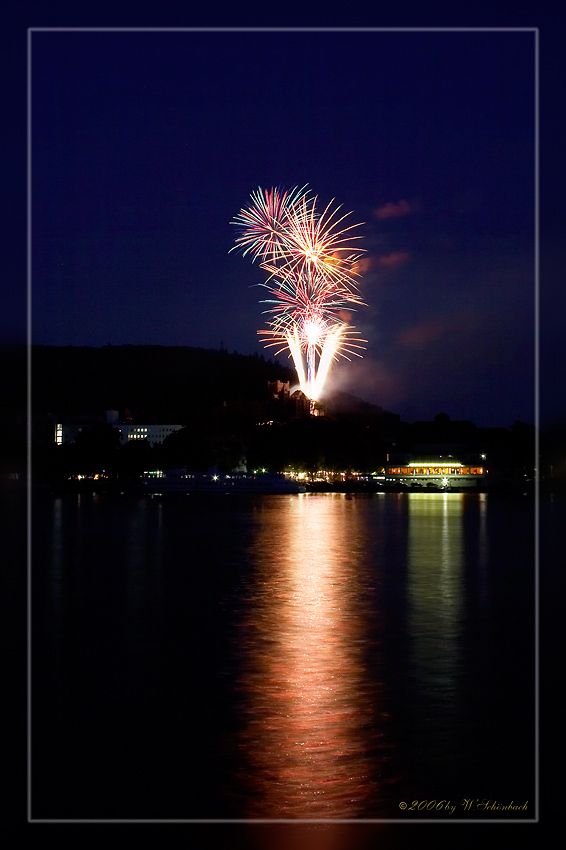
{"x":57,"y":555}
{"x":307,"y":703}
{"x":483,"y":553}
{"x":143,"y":589}
{"x":435,"y":596}
{"x":435,"y":560}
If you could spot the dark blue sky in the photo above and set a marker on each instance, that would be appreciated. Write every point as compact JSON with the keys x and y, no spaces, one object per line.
{"x":145,"y":145}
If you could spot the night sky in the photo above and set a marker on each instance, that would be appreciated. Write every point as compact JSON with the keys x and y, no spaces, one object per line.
{"x":145,"y":145}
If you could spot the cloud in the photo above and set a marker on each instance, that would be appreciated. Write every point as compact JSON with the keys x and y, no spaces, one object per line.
{"x":456,"y":340}
{"x":364,"y":264}
{"x":394,"y":259}
{"x":396,"y":209}
{"x":421,"y":335}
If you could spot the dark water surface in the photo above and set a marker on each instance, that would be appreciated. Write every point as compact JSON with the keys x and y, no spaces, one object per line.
{"x":305,"y":656}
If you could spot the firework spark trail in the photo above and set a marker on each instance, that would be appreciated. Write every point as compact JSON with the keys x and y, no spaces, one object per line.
{"x":312,"y":276}
{"x":265,"y":223}
{"x":331,"y":344}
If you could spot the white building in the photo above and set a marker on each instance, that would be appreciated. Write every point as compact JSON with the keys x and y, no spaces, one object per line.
{"x":152,"y":433}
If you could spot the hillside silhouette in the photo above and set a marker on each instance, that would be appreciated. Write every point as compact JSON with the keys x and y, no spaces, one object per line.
{"x":155,"y":383}
{"x":227,"y":411}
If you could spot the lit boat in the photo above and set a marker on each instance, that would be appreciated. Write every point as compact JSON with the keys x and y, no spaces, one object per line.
{"x":185,"y":481}
{"x":435,"y":475}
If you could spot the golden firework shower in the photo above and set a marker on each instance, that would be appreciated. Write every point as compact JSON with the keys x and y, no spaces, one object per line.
{"x":312,"y":271}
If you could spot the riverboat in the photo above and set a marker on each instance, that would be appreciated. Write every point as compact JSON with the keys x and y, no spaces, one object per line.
{"x":435,"y":475}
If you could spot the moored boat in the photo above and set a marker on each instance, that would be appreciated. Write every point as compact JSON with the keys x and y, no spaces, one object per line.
{"x":185,"y":481}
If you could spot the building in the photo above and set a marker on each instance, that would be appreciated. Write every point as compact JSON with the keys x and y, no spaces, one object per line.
{"x":279,"y":389}
{"x":66,"y":431}
{"x":68,"y":428}
{"x":154,"y":434}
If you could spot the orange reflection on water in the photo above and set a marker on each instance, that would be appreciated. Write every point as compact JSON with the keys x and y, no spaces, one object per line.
{"x":308,"y":709}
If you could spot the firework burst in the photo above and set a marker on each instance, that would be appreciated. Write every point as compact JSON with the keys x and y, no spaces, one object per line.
{"x":312,"y":270}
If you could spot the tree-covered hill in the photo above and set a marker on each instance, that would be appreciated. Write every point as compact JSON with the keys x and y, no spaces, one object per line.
{"x":155,"y":383}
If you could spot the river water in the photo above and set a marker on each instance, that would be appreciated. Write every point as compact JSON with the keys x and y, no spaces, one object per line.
{"x":283,"y":657}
